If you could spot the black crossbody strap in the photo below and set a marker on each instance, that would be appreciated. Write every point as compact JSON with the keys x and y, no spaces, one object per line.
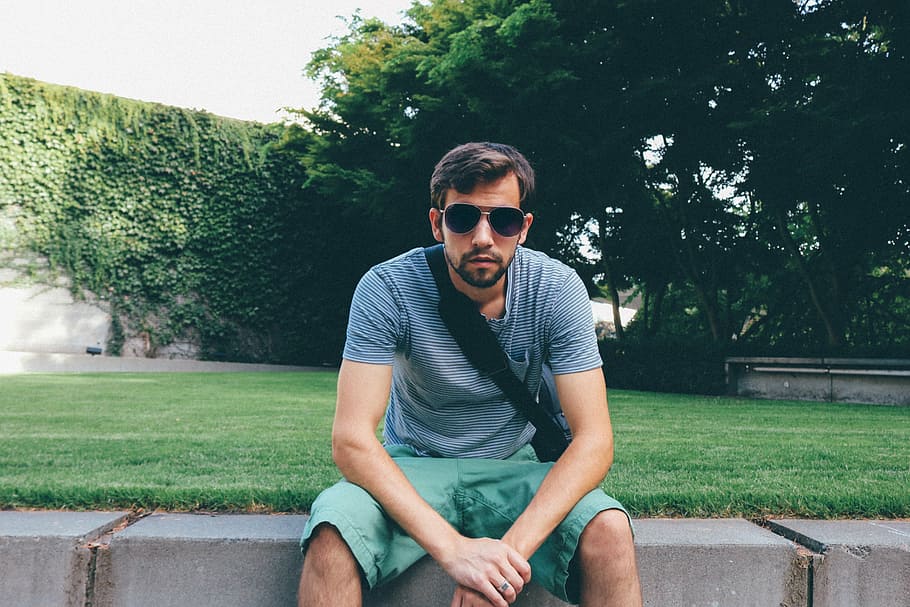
{"x":480,"y":346}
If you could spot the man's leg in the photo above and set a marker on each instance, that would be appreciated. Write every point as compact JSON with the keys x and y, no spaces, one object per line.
{"x":609,"y":575}
{"x":331,"y":576}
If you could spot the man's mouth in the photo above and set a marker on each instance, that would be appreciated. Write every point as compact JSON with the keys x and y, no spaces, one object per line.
{"x":483,"y":261}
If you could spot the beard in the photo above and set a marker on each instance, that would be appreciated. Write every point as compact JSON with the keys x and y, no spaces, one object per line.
{"x":481,"y":278}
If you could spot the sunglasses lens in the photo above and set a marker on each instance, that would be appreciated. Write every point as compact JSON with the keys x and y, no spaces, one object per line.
{"x":461,"y":218}
{"x":507,"y":221}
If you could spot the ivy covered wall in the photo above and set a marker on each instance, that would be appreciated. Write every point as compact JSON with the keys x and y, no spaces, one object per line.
{"x":188,"y":223}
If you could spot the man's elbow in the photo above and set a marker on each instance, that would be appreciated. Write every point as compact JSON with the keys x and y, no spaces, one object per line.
{"x":598,"y":450}
{"x":342,"y":448}
{"x":338,"y":451}
{"x":604,"y":455}
{"x":348,"y":447}
{"x":607,"y":459}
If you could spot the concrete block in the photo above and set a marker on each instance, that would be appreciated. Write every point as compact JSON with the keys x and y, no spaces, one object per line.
{"x":718,"y":563}
{"x":427,"y":585}
{"x":884,"y":381}
{"x":44,"y":560}
{"x":710,"y":563}
{"x":171,"y":560}
{"x":891,"y":389}
{"x":785,"y":386}
{"x":863,"y":562}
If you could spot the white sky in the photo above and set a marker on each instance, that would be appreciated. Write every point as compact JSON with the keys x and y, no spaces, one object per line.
{"x":237,"y":58}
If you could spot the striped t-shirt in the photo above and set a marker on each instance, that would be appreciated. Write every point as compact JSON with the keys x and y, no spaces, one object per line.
{"x":439,"y":403}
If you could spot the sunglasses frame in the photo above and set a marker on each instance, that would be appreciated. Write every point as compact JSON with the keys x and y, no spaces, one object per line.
{"x":489,"y":215}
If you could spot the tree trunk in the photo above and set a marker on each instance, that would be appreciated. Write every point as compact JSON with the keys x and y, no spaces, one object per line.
{"x":657,"y":313}
{"x":687,"y":258}
{"x":690,"y":267}
{"x":644,"y":315}
{"x":709,"y":306}
{"x":614,"y":297}
{"x":610,"y":276}
{"x":834,"y":336}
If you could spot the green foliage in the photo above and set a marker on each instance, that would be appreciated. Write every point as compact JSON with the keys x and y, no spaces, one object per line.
{"x":183,"y":220}
{"x":742,"y":165}
{"x":666,"y":364}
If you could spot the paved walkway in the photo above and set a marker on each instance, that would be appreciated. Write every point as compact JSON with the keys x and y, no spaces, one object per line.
{"x":40,"y":362}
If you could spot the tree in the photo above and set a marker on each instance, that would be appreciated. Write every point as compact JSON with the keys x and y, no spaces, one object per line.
{"x":677,"y":144}
{"x":827,"y":150}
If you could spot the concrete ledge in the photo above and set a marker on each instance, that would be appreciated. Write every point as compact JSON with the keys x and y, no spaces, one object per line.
{"x":883,"y":381}
{"x":44,"y":559}
{"x":185,"y":559}
{"x":53,"y":558}
{"x":863,"y":562}
{"x":427,"y":585}
{"x":718,"y":562}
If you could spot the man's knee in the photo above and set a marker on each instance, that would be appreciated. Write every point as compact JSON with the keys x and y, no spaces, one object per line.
{"x":325,"y":537}
{"x":607,"y":535}
{"x":326,"y":551}
{"x":328,"y":569}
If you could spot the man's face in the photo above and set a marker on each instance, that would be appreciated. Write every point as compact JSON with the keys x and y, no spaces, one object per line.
{"x":481,"y":256}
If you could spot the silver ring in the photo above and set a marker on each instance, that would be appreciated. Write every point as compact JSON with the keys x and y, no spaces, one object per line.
{"x":504,"y":586}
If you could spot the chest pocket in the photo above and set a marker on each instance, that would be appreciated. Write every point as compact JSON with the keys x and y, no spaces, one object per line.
{"x":520,"y":367}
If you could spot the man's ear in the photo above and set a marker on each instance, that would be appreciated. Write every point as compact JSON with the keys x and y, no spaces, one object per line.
{"x":436,"y":223}
{"x":529,"y":219}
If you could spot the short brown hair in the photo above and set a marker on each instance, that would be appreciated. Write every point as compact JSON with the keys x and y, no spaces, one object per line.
{"x":463,"y":167}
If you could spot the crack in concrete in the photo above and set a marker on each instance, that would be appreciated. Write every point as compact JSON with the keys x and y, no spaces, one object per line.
{"x":100,"y":543}
{"x":89,"y":600}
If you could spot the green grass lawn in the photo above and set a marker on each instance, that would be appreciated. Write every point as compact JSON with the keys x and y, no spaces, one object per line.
{"x":260,"y":442}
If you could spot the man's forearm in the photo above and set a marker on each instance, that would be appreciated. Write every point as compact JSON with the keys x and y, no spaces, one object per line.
{"x":580,"y":469}
{"x":367,"y":464}
{"x":363,"y":392}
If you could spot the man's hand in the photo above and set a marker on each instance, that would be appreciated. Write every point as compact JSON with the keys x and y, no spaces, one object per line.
{"x":465,"y":597}
{"x":488,"y":572}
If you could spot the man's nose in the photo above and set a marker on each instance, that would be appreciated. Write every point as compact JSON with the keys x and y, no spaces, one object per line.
{"x":482,"y":235}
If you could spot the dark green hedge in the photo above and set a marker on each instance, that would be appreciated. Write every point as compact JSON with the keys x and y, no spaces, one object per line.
{"x":695,"y":365}
{"x":664,"y":364}
{"x":185,"y":221}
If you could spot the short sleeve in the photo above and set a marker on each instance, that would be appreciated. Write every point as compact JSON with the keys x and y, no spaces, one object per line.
{"x":573,"y":340}
{"x":374,"y":324}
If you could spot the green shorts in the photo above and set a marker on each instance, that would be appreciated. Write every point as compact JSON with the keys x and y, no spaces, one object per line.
{"x":479,"y":497}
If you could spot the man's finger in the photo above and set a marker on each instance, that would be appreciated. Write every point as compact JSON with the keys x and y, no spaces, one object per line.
{"x":520,"y":565}
{"x":468,"y":597}
{"x":510,"y":590}
{"x":512,"y":582}
{"x":501,"y":598}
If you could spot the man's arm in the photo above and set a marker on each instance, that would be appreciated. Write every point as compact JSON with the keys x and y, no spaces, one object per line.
{"x":579,"y":470}
{"x":481,"y":564}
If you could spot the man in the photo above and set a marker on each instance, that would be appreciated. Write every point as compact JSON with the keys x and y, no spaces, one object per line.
{"x":456,"y":477}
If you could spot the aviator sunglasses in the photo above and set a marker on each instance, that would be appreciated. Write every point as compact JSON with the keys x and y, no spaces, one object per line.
{"x":461,"y":218}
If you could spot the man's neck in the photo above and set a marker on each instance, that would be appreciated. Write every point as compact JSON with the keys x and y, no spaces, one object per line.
{"x":490,"y":301}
